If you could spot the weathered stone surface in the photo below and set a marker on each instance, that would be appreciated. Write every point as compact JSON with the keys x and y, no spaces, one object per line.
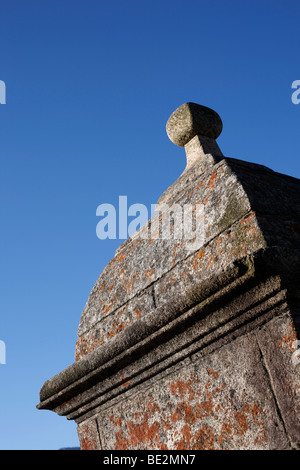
{"x":231,"y":231}
{"x":277,"y":343}
{"x":205,"y":404}
{"x":192,"y":119}
{"x":224,"y":309}
{"x":186,"y":346}
{"x":113,"y":323}
{"x":88,"y":435}
{"x":237,"y":223}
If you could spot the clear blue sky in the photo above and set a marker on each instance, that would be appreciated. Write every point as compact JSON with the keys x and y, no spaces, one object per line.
{"x":90,"y":86}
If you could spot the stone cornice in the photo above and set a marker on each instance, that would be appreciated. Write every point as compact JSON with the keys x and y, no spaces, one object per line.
{"x":92,"y":380}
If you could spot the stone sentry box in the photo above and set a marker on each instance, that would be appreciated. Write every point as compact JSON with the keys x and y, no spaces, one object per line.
{"x":182,"y":348}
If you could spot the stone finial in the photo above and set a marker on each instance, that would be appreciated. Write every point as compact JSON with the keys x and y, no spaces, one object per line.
{"x":195,"y":128}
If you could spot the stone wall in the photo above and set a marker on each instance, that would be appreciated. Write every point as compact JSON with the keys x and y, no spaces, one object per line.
{"x":192,"y":347}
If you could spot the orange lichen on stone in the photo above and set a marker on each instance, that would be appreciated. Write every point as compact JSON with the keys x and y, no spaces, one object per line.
{"x":107,"y":309}
{"x":86,"y":442}
{"x":116,"y":421}
{"x":85,"y":345}
{"x":187,"y":420}
{"x":126,"y":382}
{"x":185,"y":412}
{"x":129,"y":282}
{"x":183,"y":388}
{"x":148,"y":273}
{"x":174,"y":253}
{"x":144,"y":434}
{"x":212,"y":180}
{"x":137,"y":313}
{"x":288,"y":340}
{"x":117,"y":328}
{"x":204,"y":409}
{"x":100,"y":288}
{"x":197,"y":259}
{"x":241,"y":421}
{"x":204,"y":439}
{"x":213,"y":373}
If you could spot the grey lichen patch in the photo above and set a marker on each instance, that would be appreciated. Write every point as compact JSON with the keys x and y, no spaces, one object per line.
{"x":207,"y":290}
{"x":235,"y":209}
{"x":192,"y":119}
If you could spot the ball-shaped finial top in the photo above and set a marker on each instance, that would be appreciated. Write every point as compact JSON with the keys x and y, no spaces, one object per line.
{"x":192,"y":119}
